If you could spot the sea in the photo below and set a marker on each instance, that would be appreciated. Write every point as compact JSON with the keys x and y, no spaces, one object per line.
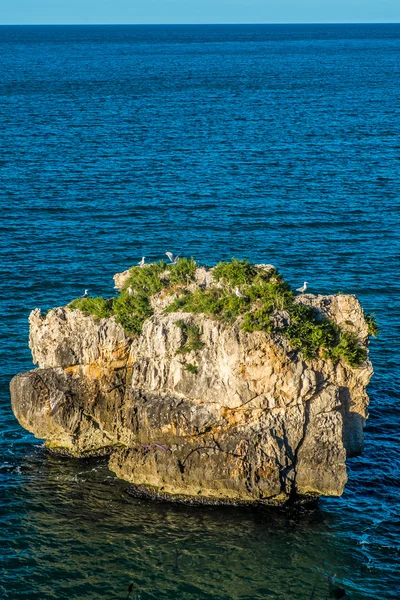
{"x":273,"y":143}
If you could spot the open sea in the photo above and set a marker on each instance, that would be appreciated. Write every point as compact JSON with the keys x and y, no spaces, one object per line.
{"x":278,"y":144}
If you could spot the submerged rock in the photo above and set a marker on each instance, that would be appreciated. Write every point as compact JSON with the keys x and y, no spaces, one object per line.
{"x":243,"y":418}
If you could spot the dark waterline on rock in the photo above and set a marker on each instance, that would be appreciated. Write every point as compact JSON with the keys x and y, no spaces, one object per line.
{"x":274,"y":143}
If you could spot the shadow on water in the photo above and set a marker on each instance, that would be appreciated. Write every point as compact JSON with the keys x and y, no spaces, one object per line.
{"x":93,"y":540}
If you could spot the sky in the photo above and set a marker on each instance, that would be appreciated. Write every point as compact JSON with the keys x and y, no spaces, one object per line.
{"x":197,"y":11}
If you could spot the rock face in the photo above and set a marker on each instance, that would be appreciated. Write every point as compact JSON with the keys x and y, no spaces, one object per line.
{"x":253,"y":422}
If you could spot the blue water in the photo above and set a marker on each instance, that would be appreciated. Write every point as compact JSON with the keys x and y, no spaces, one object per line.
{"x":279,"y":144}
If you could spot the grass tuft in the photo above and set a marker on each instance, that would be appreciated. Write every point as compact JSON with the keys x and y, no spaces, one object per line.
{"x":182,"y":272}
{"x":373,"y":327}
{"x":131,"y":311}
{"x":236,"y":272}
{"x":191,"y":368}
{"x":191,"y":337}
{"x":98,"y":307}
{"x":349,"y":350}
{"x":200,"y":301}
{"x":146,"y":280}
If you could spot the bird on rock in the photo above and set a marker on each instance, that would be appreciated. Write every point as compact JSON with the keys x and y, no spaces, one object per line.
{"x":303,"y":288}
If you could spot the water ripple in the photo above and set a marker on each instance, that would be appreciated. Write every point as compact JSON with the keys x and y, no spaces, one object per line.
{"x":278,"y":144}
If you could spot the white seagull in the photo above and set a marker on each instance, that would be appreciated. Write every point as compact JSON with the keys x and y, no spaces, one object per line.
{"x":141,"y":263}
{"x":238,"y":293}
{"x":302,"y":289}
{"x":173,"y":258}
{"x":86,"y":294}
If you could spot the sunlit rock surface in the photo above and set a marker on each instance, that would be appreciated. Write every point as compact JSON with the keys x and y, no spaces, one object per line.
{"x":255,"y":423}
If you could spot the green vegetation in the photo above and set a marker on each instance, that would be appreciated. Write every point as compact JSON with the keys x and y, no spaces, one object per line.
{"x":308,"y":334}
{"x":348,"y":348}
{"x":236,"y":272}
{"x":147,"y":280}
{"x":263,"y":292}
{"x":214,"y":302}
{"x":191,"y":337}
{"x":131,"y":311}
{"x":268,"y":304}
{"x":373,"y":327}
{"x":191,"y":368}
{"x":264,"y":302}
{"x":132,"y":306}
{"x":99,"y":307}
{"x":182,"y":272}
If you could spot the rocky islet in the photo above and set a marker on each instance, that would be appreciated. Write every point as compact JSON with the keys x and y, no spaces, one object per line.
{"x":253,"y":421}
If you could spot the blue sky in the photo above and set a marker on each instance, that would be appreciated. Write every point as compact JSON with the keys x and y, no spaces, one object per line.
{"x":198,"y":11}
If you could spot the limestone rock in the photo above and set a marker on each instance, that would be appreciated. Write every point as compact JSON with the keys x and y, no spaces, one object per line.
{"x":120,"y":279}
{"x":255,"y":423}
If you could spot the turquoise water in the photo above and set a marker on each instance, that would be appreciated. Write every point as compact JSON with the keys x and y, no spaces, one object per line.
{"x":279,"y":144}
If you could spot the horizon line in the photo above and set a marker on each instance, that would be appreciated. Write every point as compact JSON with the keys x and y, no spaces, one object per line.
{"x":199,"y":24}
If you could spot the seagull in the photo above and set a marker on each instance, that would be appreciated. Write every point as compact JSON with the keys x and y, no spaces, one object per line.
{"x":302,"y":289}
{"x":173,"y":258}
{"x":141,"y":263}
{"x":86,"y":294}
{"x":238,"y":293}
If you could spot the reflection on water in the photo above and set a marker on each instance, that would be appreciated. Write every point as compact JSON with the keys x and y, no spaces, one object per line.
{"x":82,"y":536}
